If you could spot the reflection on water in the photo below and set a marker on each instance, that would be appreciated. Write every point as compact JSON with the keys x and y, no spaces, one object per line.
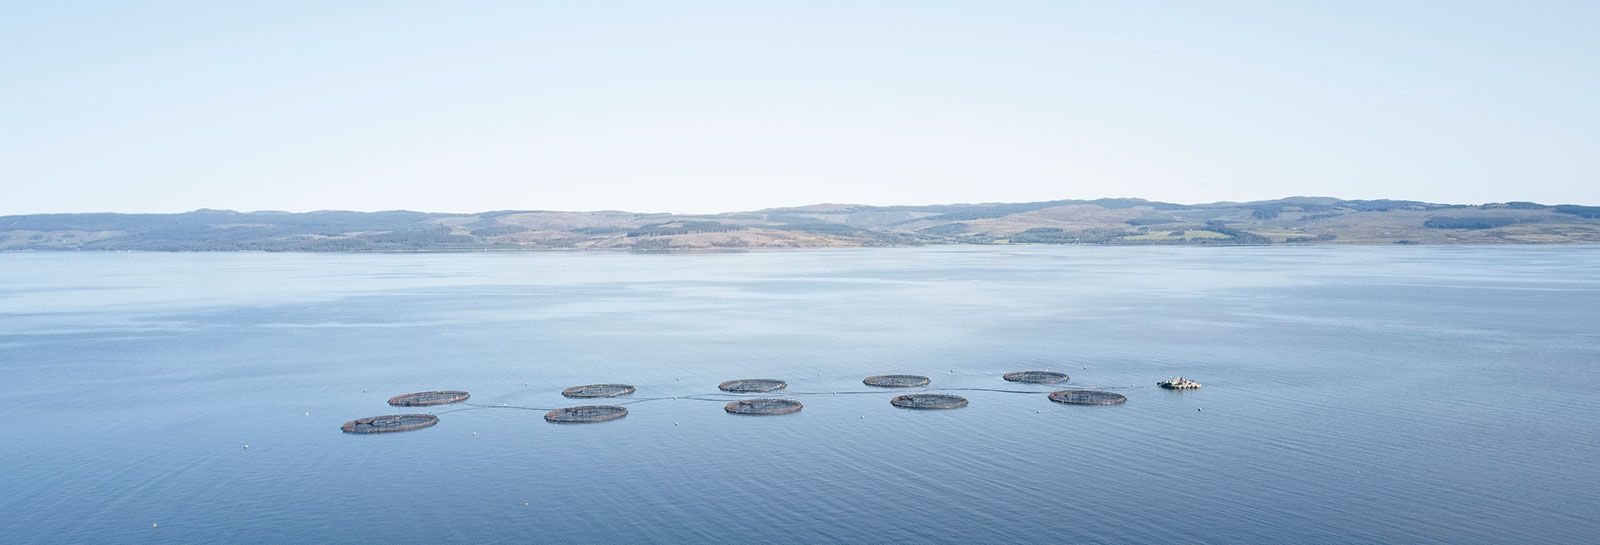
{"x":1415,"y":395}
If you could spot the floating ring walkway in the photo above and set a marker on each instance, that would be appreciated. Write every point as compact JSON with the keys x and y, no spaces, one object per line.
{"x":896,"y":381}
{"x":764,"y":406}
{"x":598,"y":390}
{"x":390,"y":423}
{"x":1036,"y":377}
{"x":425,"y":399}
{"x":585,"y":414}
{"x":753,"y":385}
{"x":929,"y":401}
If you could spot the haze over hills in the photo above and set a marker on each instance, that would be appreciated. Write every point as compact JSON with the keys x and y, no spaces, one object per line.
{"x":1294,"y":220}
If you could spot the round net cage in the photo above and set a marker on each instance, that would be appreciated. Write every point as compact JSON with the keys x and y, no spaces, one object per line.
{"x":390,"y":423}
{"x":585,"y":414}
{"x":764,"y":406}
{"x":753,"y":385}
{"x":1036,"y":377}
{"x":1088,"y":397}
{"x":424,"y":399}
{"x":598,"y":390}
{"x":929,"y":401}
{"x":896,"y":381}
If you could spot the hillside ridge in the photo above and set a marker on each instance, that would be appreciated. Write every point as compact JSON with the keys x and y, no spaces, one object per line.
{"x":1113,"y":221}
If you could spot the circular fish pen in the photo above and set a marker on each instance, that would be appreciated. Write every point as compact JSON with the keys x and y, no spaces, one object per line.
{"x":763,"y":406}
{"x":753,"y":385}
{"x":896,"y":381}
{"x":929,"y":401}
{"x":1036,"y":377}
{"x":1088,"y":397}
{"x":424,"y":399}
{"x":585,"y":414}
{"x":598,"y":390}
{"x":389,"y":423}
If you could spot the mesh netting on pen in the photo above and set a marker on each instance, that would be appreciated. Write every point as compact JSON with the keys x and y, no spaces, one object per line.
{"x":753,"y":385}
{"x":1088,"y":397}
{"x":598,"y":390}
{"x":763,"y":406}
{"x":586,"y":414}
{"x":424,"y":399}
{"x":1036,"y":377}
{"x":896,"y":381}
{"x":929,"y":401}
{"x":390,"y":423}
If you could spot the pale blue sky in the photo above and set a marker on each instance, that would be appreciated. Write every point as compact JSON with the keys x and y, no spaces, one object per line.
{"x":716,"y":106}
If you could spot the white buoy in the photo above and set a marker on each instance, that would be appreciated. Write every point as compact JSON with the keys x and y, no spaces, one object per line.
{"x":152,"y":525}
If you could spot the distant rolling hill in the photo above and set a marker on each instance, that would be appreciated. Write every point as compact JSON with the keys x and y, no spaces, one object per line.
{"x":1290,"y":221}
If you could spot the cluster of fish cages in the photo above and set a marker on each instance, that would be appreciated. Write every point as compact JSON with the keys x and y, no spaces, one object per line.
{"x":390,"y":423}
{"x":768,"y":406}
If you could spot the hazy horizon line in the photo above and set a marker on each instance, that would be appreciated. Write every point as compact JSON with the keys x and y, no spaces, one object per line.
{"x":810,"y":205}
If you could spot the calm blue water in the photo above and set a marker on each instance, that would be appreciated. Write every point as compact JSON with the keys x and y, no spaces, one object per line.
{"x":1353,"y":395}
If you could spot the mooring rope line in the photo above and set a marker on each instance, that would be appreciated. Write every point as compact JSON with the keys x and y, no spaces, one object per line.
{"x":693,"y":397}
{"x":782,"y":392}
{"x":991,"y":390}
{"x":505,"y":406}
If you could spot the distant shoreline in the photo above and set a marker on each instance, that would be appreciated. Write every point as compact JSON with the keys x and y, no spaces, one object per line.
{"x":1293,"y":221}
{"x":693,"y":251}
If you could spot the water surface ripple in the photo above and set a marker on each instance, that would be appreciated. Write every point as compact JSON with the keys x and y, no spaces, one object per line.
{"x":1353,"y":395}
